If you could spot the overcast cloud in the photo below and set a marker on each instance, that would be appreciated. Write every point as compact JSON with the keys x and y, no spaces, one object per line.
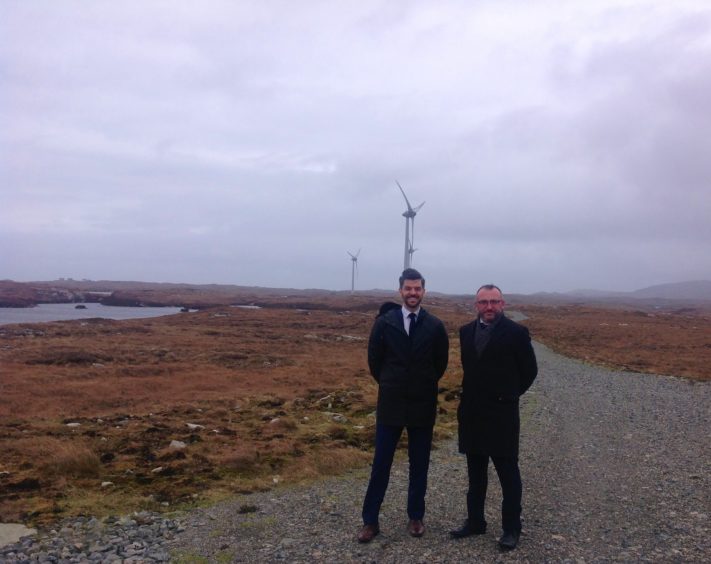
{"x":557,"y":144}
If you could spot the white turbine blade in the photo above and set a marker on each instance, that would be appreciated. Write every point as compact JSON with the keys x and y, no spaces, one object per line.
{"x":409,"y":207}
{"x":357,"y":253}
{"x":419,"y":207}
{"x":352,"y":257}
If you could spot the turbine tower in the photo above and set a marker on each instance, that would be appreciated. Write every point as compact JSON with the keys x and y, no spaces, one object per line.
{"x":409,"y":215}
{"x":354,"y":268}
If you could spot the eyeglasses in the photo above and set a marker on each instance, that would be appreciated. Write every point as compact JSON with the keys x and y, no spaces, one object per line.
{"x":488,"y":302}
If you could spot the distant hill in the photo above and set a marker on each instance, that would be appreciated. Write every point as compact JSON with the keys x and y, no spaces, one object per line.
{"x":696,"y":290}
{"x":695,"y":293}
{"x":692,"y":290}
{"x":590,"y":293}
{"x":27,"y":294}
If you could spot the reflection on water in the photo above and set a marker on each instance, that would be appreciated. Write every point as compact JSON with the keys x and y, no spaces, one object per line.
{"x":61,"y":312}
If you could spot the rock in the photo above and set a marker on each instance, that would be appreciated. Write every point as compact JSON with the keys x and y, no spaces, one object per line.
{"x":13,"y":532}
{"x":337,"y":417}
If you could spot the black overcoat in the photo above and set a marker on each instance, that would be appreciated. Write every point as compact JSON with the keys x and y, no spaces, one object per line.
{"x":489,"y":408}
{"x":407,"y":371}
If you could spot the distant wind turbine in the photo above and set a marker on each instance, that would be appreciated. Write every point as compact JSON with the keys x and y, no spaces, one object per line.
{"x":354,"y":268}
{"x":409,"y":215}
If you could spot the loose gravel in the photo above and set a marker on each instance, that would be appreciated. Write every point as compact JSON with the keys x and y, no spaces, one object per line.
{"x":615,"y":468}
{"x":139,"y":538}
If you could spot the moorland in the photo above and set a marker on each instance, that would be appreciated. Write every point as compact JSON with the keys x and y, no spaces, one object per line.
{"x":100,"y":416}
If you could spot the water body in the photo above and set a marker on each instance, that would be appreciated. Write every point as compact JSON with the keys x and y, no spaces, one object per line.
{"x":63,"y":312}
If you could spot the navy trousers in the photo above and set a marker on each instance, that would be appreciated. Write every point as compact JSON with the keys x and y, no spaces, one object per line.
{"x":511,"y":487}
{"x":419,"y":441}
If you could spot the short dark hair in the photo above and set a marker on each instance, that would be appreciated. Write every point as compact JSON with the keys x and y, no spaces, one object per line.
{"x":411,"y":274}
{"x":489,"y":287}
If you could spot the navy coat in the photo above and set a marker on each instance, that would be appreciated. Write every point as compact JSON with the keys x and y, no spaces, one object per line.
{"x":488,"y":412}
{"x":407,"y":371}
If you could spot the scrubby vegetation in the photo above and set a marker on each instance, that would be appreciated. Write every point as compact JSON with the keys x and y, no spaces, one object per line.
{"x":107,"y":416}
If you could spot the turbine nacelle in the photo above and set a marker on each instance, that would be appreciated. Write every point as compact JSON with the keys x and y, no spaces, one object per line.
{"x":412,"y":212}
{"x":354,"y":268}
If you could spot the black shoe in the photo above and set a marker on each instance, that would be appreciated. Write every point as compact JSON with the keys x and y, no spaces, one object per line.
{"x":509,"y":540}
{"x":466,"y":530}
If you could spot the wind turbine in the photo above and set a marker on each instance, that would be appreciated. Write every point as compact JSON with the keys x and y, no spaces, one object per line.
{"x":354,"y":268}
{"x":409,"y":215}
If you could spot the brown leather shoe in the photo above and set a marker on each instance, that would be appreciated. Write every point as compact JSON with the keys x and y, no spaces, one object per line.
{"x":416,"y":528}
{"x":368,"y":533}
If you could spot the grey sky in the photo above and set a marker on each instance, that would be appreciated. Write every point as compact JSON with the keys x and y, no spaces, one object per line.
{"x":557,"y":144}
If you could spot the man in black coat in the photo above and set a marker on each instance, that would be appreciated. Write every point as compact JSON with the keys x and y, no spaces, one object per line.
{"x":499,"y":366}
{"x":408,"y":352}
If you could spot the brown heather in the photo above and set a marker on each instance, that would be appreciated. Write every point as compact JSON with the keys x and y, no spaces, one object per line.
{"x":62,"y":459}
{"x":675,"y":342}
{"x":281,"y":394}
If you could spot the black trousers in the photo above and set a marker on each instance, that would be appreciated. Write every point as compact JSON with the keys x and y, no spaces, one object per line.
{"x":419,"y":444}
{"x":510,"y":479}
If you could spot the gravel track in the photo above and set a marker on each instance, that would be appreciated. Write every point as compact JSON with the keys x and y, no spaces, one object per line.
{"x":615,"y":468}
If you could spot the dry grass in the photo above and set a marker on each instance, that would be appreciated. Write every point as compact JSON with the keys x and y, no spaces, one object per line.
{"x":674,"y":343}
{"x":336,"y":461}
{"x":62,"y":459}
{"x":258,"y":397}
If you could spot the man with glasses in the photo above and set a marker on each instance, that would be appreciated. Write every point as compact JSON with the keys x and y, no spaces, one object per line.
{"x":408,"y":352}
{"x":499,"y":366}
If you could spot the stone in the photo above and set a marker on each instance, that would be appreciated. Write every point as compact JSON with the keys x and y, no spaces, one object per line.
{"x":13,"y":532}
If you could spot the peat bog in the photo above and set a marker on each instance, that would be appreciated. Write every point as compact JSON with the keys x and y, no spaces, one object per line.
{"x":100,"y":416}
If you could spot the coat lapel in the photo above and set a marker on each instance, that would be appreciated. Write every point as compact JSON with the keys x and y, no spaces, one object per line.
{"x":395,"y":318}
{"x":468,"y":344}
{"x":469,"y":335}
{"x":497,"y":333}
{"x":421,"y":320}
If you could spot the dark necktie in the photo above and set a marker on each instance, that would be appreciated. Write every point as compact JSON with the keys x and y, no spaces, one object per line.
{"x":413,"y":323}
{"x":481,"y":338}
